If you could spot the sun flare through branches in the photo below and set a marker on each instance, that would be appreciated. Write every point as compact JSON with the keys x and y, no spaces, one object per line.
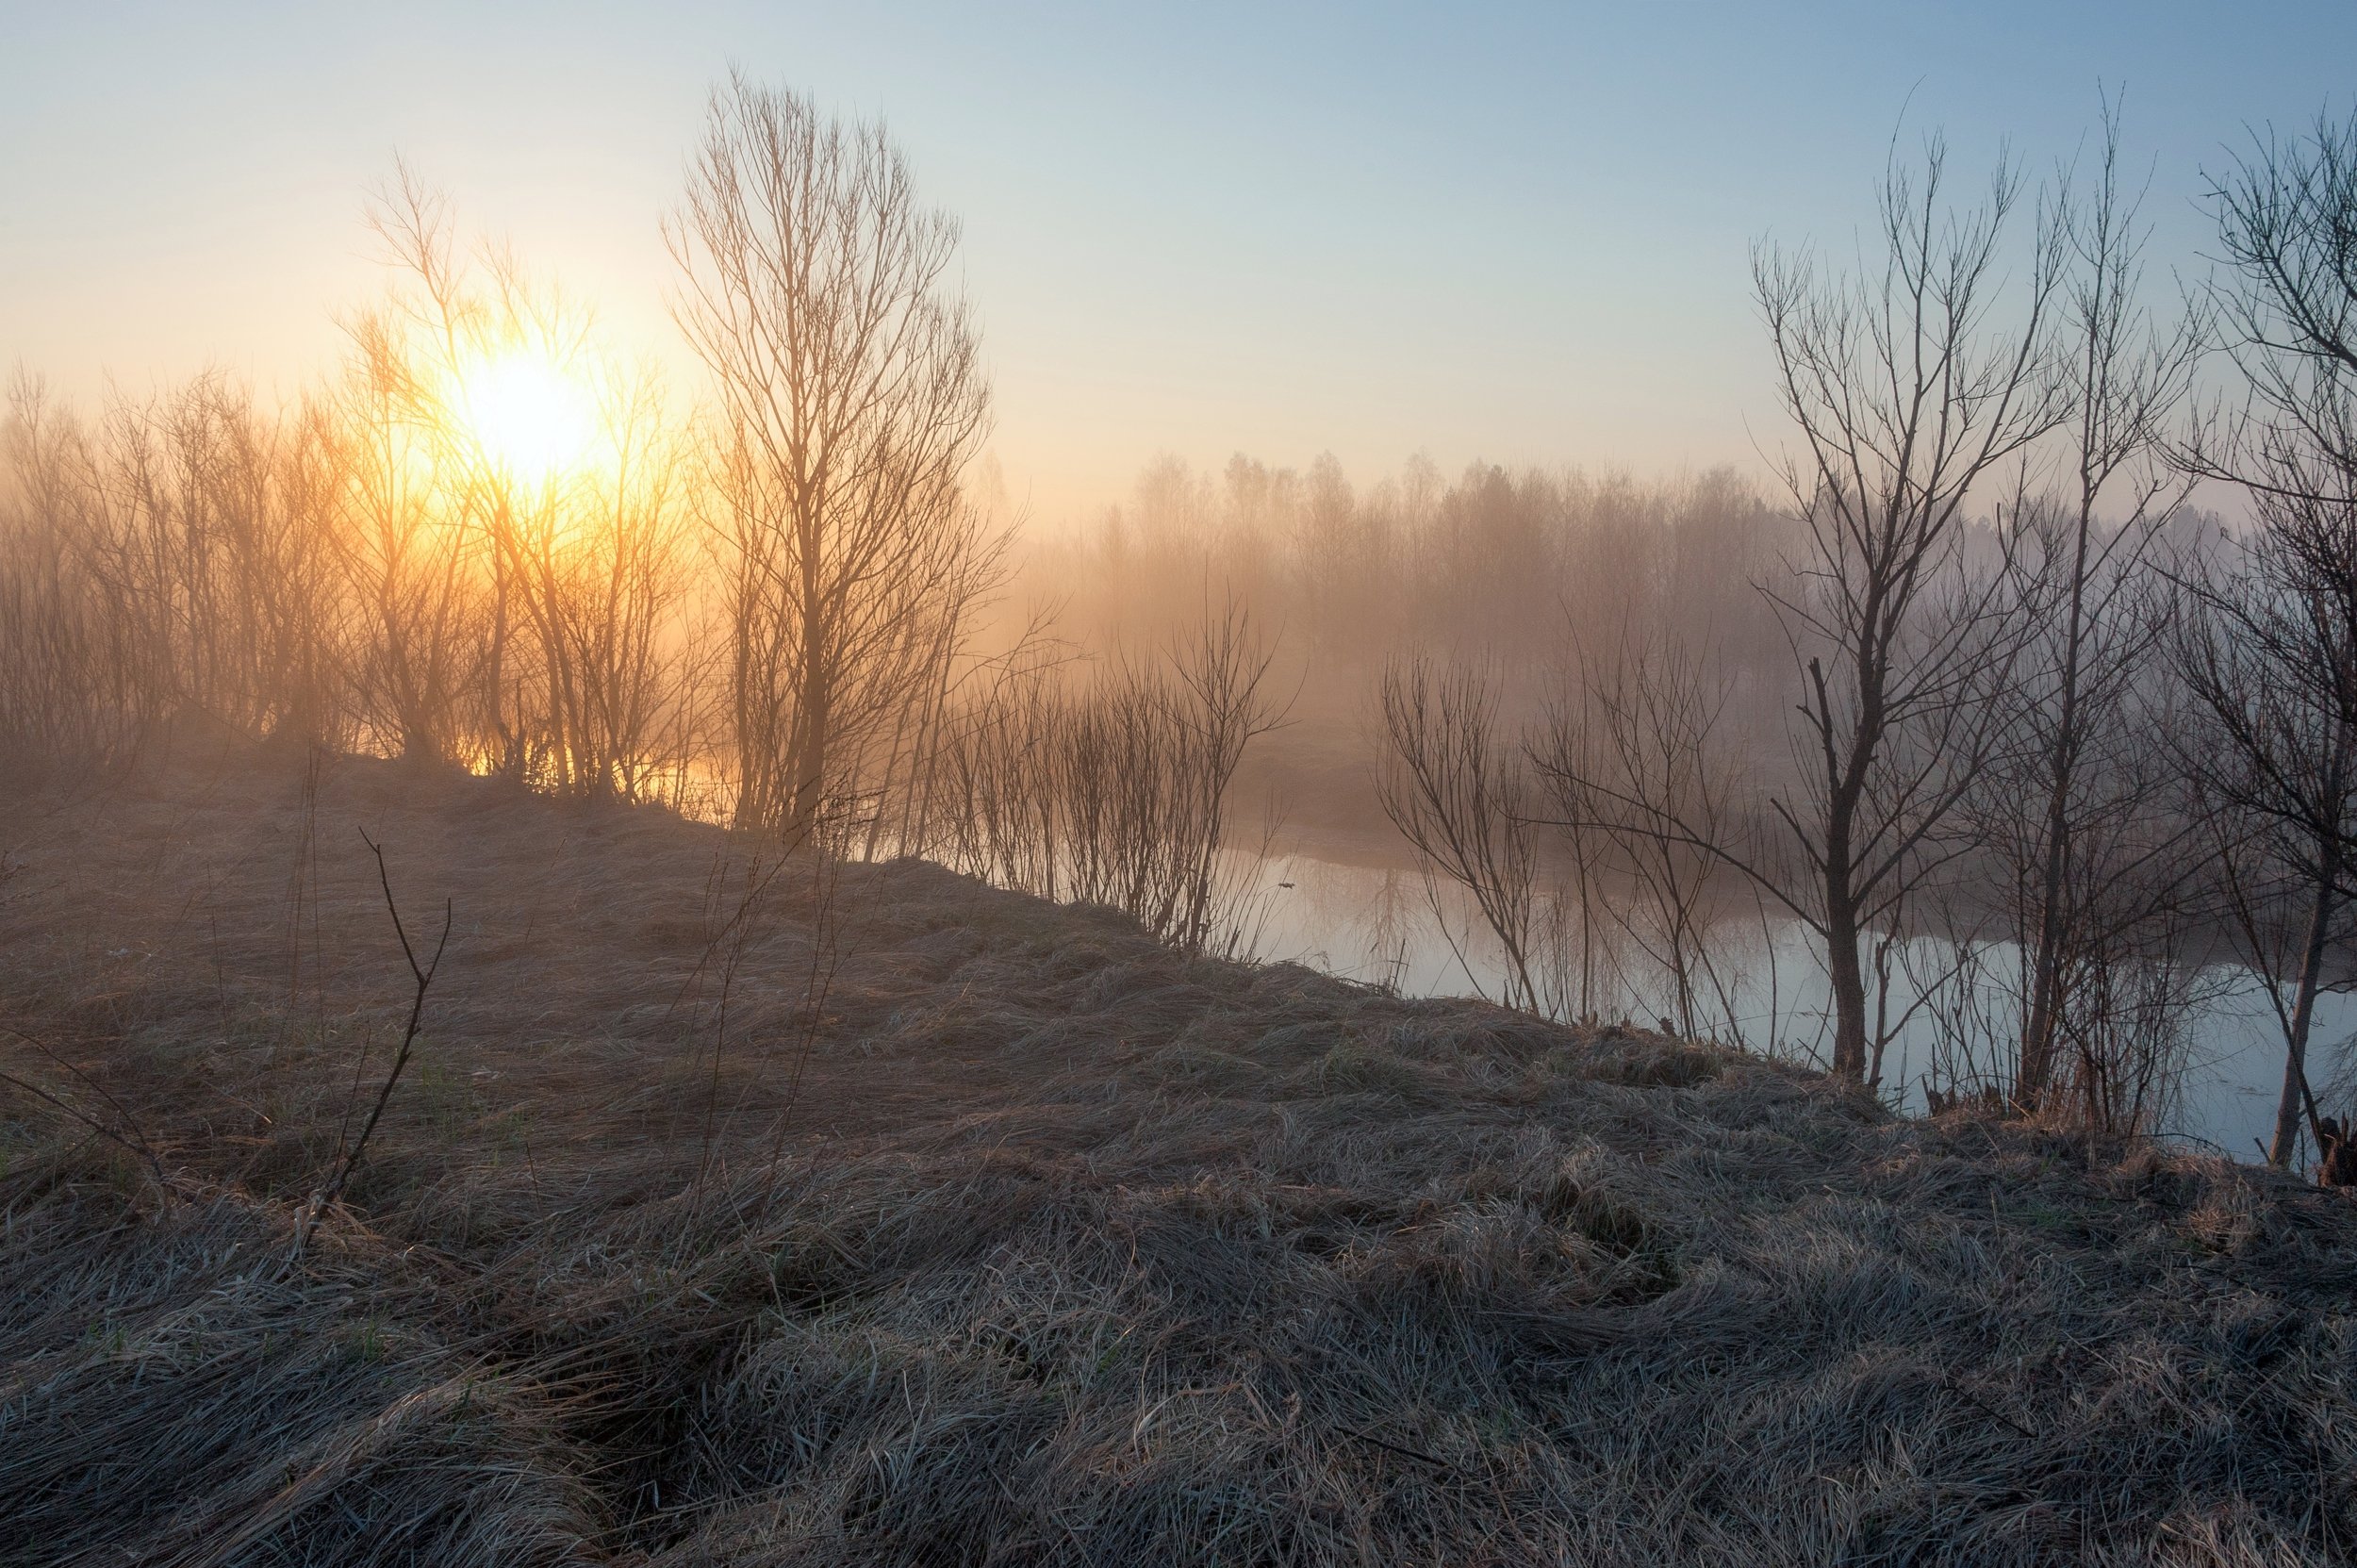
{"x":533,"y":420}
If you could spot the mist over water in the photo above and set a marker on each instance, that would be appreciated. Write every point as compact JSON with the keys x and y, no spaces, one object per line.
{"x":1906,"y":680}
{"x":1377,"y":925}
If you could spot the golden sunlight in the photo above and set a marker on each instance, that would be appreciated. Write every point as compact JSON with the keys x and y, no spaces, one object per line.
{"x":532,"y":419}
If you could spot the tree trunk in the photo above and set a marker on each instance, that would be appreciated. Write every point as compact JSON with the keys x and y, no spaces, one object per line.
{"x":2036,"y":1066}
{"x":810,"y":771}
{"x":1844,"y":968}
{"x":2037,"y":1063}
{"x":2288,"y":1108}
{"x":813,"y":734}
{"x":1848,"y":976}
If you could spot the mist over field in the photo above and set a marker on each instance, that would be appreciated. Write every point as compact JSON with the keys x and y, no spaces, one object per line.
{"x":693,"y":898}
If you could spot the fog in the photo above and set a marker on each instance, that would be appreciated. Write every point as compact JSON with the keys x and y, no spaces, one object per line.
{"x":1517,"y":570}
{"x":1956,"y":749}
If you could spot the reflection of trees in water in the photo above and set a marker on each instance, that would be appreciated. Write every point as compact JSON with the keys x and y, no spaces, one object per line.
{"x":2181,"y":1048}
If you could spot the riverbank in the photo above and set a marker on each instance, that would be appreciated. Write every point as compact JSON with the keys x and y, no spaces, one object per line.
{"x":736,"y":1212}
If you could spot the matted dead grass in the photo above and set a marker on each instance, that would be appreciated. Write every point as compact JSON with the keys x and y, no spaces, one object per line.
{"x":1024,"y":1241}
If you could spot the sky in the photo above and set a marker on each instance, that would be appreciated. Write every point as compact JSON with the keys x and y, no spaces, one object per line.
{"x":1517,"y":233}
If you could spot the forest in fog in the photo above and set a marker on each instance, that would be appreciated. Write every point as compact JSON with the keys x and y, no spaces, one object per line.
{"x":1970,"y":684}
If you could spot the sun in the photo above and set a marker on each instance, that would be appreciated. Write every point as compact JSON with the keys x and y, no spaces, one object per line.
{"x":533,"y":421}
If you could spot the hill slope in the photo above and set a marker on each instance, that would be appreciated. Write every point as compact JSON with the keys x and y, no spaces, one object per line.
{"x":737,"y":1214}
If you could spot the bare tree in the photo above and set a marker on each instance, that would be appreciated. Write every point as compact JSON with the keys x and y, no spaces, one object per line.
{"x":2271,"y":651}
{"x":169,"y":561}
{"x":424,"y":635}
{"x":70,"y":699}
{"x":1459,"y":789}
{"x":1909,"y":395}
{"x":2287,"y":221}
{"x":851,"y":397}
{"x":577,"y":563}
{"x":1637,"y":761}
{"x":2078,"y":816}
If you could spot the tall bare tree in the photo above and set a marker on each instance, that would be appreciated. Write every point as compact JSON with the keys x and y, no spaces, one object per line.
{"x":1910,"y":391}
{"x":2076,"y":813}
{"x":2271,"y":651}
{"x":429,"y":622}
{"x":2287,"y":222}
{"x":851,"y":397}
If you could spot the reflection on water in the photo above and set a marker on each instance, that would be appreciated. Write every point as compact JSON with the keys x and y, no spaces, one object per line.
{"x":1378,"y":925}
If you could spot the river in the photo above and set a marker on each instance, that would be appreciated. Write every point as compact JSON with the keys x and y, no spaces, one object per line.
{"x":1378,"y":925}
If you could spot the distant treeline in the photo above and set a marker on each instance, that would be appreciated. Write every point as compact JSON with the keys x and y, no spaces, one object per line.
{"x":1495,"y":560}
{"x":1970,"y":692}
{"x":2025,"y":741}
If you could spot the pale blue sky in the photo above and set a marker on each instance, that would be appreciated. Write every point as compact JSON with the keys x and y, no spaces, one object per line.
{"x":1515,"y":231}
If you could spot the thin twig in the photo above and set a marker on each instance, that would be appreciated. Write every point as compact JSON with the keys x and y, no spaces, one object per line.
{"x":140,"y":1148}
{"x":423,"y":975}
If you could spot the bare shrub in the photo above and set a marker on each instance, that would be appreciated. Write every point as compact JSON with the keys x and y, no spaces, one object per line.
{"x":1113,"y":787}
{"x":1459,"y":789}
{"x":1637,"y":758}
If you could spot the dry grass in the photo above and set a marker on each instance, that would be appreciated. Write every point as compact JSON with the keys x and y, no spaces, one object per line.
{"x":1065,"y":1250}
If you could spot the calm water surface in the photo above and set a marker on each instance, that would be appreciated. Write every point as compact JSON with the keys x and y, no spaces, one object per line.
{"x":1377,"y":925}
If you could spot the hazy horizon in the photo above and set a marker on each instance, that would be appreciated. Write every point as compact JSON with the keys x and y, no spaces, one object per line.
{"x":1521,"y":237}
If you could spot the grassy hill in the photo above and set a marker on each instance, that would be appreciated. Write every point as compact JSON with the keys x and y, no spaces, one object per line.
{"x":740,"y":1214}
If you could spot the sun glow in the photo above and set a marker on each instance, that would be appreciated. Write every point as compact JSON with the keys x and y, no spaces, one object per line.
{"x":533,"y":421}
